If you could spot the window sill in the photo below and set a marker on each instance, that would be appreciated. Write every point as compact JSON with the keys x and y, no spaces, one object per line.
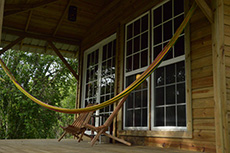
{"x":161,"y":134}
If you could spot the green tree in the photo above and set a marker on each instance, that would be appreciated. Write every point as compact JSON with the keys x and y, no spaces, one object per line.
{"x":46,"y":78}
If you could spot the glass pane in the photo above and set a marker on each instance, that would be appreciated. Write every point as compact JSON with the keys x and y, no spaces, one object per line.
{"x":159,"y":96}
{"x":169,"y":55}
{"x":130,"y":31}
{"x":144,"y":23}
{"x":96,"y":57}
{"x":114,"y":48}
{"x":144,"y":98}
{"x":137,"y":27}
{"x":144,"y":117}
{"x":138,"y":117}
{"x":86,"y":91}
{"x":181,"y":115}
{"x":144,"y":58}
{"x":158,"y":35}
{"x":136,"y":44}
{"x":159,"y":116}
{"x":167,"y":11}
{"x":170,"y":74}
{"x":136,"y":61}
{"x":93,"y":58}
{"x":130,"y":80}
{"x":144,"y":40}
{"x":159,"y":76}
{"x":129,"y":47}
{"x":88,"y":60}
{"x":129,"y":102}
{"x":104,"y":52}
{"x":170,"y":116}
{"x":167,"y":30}
{"x":138,"y":99}
{"x":180,"y":74}
{"x":129,"y":64}
{"x":157,"y":15}
{"x":110,"y":50}
{"x":181,"y":93}
{"x":178,"y":7}
{"x":109,"y":64}
{"x":157,"y":50}
{"x":129,"y":118}
{"x":170,"y":94}
{"x":179,"y":47}
{"x":177,"y":22}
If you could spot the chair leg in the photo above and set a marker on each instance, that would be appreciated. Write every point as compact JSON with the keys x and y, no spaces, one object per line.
{"x":96,"y":137}
{"x":62,"y":136}
{"x":117,"y":139}
{"x":80,"y":138}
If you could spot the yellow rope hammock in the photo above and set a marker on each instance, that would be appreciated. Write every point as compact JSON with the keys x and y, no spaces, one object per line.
{"x":125,"y":92}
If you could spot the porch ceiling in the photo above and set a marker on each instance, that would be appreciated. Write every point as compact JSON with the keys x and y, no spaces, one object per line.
{"x":40,"y":21}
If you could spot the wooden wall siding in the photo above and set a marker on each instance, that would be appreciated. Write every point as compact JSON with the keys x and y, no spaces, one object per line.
{"x":227,"y":58}
{"x":120,"y":12}
{"x":107,"y":21}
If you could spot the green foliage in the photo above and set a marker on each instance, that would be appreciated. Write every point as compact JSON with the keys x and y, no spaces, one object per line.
{"x":46,"y":78}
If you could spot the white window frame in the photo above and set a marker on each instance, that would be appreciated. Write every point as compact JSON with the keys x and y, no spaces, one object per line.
{"x":88,"y":51}
{"x":165,"y":63}
{"x":137,"y":71}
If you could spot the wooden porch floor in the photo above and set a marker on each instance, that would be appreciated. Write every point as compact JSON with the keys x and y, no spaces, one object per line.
{"x":70,"y":146}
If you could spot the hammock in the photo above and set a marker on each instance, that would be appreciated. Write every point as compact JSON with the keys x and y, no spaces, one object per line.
{"x":126,"y":91}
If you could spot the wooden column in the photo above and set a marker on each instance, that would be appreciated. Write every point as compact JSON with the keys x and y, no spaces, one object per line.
{"x":63,"y":59}
{"x":219,"y":79}
{"x":1,"y":17}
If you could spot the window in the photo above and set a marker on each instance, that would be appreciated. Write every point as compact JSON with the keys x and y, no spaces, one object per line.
{"x":136,"y":57}
{"x":99,"y":72}
{"x":169,"y":104}
{"x":168,"y":82}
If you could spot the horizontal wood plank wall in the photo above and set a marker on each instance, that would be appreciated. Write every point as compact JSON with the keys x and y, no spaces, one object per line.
{"x":227,"y":59}
{"x":120,"y":12}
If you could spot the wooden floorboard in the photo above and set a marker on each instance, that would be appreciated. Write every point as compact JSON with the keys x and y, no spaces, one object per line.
{"x":70,"y":145}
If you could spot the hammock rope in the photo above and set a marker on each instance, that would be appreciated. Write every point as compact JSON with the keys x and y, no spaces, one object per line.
{"x":126,"y":91}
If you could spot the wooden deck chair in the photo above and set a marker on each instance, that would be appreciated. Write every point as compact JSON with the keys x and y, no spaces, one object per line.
{"x":103,"y":128}
{"x":77,"y":128}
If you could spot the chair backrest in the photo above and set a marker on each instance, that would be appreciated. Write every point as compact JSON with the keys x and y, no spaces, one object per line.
{"x":83,"y":118}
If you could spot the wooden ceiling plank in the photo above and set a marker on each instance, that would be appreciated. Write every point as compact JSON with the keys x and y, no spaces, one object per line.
{"x":206,"y":10}
{"x":61,"y":18}
{"x":16,"y":8}
{"x":63,"y":59}
{"x":41,"y":36}
{"x":28,"y":20}
{"x":11,"y":44}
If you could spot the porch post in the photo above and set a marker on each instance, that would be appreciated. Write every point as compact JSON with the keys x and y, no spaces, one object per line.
{"x":219,"y":78}
{"x":1,"y":16}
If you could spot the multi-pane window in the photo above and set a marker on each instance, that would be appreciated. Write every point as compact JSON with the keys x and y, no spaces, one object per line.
{"x":107,"y":77}
{"x":99,"y":72}
{"x":91,"y":84}
{"x":169,"y":79}
{"x":136,"y":57}
{"x":137,"y":36}
{"x":137,"y":105}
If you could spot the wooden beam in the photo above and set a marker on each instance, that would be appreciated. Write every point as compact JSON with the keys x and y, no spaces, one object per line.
{"x":205,"y":9}
{"x":72,"y":54}
{"x":17,"y":8}
{"x":62,"y":17}
{"x":11,"y":45}
{"x":219,"y":78}
{"x":41,"y":36}
{"x":1,"y":16}
{"x":63,"y":59}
